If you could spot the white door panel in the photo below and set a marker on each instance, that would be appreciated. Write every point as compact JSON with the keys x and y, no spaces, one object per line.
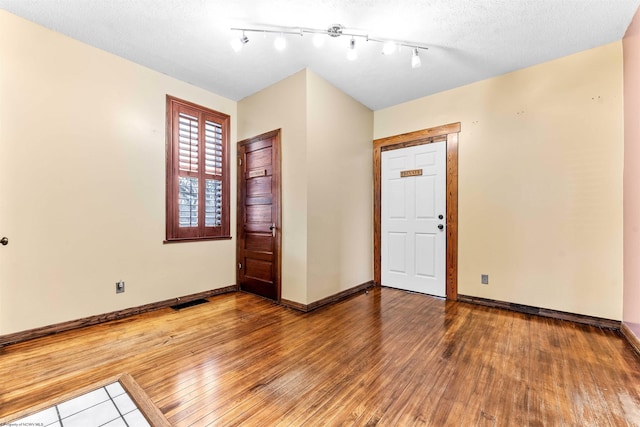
{"x":397,"y":253}
{"x":424,"y":160}
{"x":425,"y":205}
{"x":397,"y":202}
{"x":413,"y":247}
{"x":426,"y":246}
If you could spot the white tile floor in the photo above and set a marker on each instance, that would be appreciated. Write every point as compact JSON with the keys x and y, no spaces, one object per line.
{"x":109,"y":406}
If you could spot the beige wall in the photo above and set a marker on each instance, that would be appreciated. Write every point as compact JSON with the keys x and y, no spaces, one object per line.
{"x":82,"y":183}
{"x":540,"y":181}
{"x":283,"y":106}
{"x":340,"y":190}
{"x":631,"y":295}
{"x":326,"y":183}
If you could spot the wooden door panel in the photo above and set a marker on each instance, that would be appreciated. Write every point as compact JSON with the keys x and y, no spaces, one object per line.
{"x":258,"y":213}
{"x":258,"y":287}
{"x":258,"y":247}
{"x":262,"y":227}
{"x":259,"y":158}
{"x":259,"y":269}
{"x":257,"y":242}
{"x":259,"y":186}
{"x":258,"y":200}
{"x":258,"y":256}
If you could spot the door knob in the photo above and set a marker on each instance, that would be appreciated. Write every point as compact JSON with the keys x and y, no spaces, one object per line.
{"x":4,"y":241}
{"x":440,"y":226}
{"x":272,"y":227}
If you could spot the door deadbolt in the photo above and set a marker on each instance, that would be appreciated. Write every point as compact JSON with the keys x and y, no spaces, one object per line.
{"x":440,"y":216}
{"x":4,"y":241}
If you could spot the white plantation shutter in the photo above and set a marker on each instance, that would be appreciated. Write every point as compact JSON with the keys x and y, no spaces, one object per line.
{"x":198,"y":182}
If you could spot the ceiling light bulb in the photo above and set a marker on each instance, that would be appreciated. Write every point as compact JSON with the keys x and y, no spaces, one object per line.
{"x":280,"y":43}
{"x":236,"y":45}
{"x":318,"y":40}
{"x":352,"y":53}
{"x":415,"y":59}
{"x":388,"y":48}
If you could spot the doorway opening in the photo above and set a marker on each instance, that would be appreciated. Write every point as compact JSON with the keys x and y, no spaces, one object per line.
{"x":448,"y":133}
{"x":259,"y":243}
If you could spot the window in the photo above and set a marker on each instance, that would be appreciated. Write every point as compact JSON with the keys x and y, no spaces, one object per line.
{"x":197,"y":172}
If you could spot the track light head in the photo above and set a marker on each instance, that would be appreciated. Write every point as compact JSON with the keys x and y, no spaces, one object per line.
{"x":352,"y":53}
{"x":415,"y":59}
{"x":237,"y":43}
{"x":280,"y":42}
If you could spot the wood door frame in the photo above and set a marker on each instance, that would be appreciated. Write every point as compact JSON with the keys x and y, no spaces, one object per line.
{"x":448,"y":133}
{"x":277,"y":201}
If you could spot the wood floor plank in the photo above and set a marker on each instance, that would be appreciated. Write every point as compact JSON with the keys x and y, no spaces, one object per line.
{"x":480,"y":361}
{"x":495,"y":393}
{"x":543,"y":405}
{"x":384,"y":358}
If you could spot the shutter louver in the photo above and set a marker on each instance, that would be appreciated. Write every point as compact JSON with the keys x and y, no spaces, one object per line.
{"x":213,"y":203}
{"x":213,"y":148}
{"x":188,"y":148}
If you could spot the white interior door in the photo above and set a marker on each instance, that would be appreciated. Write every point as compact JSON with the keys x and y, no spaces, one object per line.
{"x":413,"y":218}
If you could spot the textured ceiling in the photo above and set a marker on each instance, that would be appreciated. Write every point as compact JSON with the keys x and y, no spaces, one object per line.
{"x":468,"y":40}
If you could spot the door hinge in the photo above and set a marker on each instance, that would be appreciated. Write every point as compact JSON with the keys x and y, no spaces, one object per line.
{"x":239,"y":266}
{"x":239,"y":161}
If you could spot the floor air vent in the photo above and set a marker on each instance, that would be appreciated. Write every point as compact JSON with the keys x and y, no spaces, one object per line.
{"x":189,"y":304}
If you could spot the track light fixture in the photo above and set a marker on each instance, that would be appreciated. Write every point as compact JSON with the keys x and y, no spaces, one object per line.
{"x":280,"y":43}
{"x":389,"y":46}
{"x":237,"y":43}
{"x":352,"y":53}
{"x":415,"y":59}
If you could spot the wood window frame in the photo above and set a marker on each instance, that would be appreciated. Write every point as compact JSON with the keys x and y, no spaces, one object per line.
{"x":448,"y":133}
{"x":174,"y":233}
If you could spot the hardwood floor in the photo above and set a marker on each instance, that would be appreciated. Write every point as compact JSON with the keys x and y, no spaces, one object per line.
{"x":383,"y":358}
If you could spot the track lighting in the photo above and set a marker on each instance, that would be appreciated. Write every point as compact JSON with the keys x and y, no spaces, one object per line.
{"x":236,"y":44}
{"x":333,"y":31}
{"x":415,"y":59}
{"x":352,"y":53}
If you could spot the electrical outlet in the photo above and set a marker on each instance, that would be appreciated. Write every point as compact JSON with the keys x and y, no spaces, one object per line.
{"x":120,"y":287}
{"x":484,"y":279}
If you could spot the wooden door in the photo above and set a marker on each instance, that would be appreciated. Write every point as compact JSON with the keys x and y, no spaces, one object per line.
{"x":414,"y":218}
{"x":259,"y":216}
